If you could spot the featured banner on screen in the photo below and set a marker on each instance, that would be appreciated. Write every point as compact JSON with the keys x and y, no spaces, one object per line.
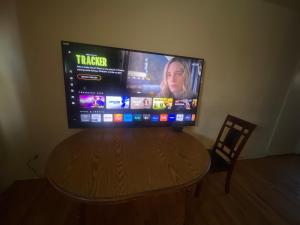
{"x":91,"y":101}
{"x":159,"y":75}
{"x":140,"y":103}
{"x":117,"y":102}
{"x":162,"y":103}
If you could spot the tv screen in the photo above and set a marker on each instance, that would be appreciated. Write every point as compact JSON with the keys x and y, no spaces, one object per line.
{"x":108,"y":86}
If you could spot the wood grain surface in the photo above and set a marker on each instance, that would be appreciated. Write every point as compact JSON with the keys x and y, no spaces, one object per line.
{"x":264,"y":192}
{"x":115,"y":164}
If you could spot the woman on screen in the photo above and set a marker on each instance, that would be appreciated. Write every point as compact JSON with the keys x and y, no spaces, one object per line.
{"x":176,"y":80}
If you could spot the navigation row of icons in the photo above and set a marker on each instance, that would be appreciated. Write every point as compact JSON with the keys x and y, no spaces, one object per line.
{"x":129,"y":117}
{"x":125,"y":102}
{"x":72,"y":86}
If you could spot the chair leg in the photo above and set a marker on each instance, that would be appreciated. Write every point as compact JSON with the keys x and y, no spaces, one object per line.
{"x":227,"y":182}
{"x":198,"y":189}
{"x":82,"y":213}
{"x":188,"y":215}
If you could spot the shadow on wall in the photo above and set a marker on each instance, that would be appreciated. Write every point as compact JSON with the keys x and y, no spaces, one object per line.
{"x":291,"y":4}
{"x":14,"y":98}
{"x":286,"y":134}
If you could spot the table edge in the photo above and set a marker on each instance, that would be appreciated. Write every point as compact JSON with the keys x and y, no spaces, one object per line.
{"x":125,"y":198}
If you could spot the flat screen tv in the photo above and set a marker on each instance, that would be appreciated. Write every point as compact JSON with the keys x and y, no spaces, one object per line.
{"x":108,"y":86}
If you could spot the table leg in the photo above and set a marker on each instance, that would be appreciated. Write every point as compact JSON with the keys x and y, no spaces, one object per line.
{"x":189,"y":195}
{"x":198,"y":189}
{"x":82,"y":213}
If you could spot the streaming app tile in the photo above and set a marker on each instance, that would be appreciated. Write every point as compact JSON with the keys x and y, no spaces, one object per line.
{"x":179,"y":117}
{"x":194,"y":103}
{"x":137,"y":117}
{"x":140,"y":103}
{"x":155,"y":118}
{"x":172,"y":117}
{"x":85,"y":117}
{"x":117,"y":102}
{"x":146,"y":117}
{"x":118,"y":118}
{"x":193,"y":117}
{"x":127,"y":117}
{"x":91,"y":101}
{"x":96,"y":118}
{"x":163,"y":117}
{"x":107,"y":117}
{"x":188,"y":117}
{"x":185,"y":104}
{"x":162,"y":103}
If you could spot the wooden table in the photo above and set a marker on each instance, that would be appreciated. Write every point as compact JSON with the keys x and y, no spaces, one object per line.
{"x":111,"y":165}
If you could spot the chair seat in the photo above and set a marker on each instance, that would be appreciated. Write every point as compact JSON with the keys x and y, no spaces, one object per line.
{"x":218,"y":164}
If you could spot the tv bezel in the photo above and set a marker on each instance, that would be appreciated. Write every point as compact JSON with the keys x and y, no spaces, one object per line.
{"x":126,"y":124}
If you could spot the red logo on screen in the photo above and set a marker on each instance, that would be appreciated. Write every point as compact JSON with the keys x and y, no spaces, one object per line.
{"x":163,"y":117}
{"x":118,"y":118}
{"x":193,"y":117}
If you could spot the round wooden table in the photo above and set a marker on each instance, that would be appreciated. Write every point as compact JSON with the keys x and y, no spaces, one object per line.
{"x":110,"y":165}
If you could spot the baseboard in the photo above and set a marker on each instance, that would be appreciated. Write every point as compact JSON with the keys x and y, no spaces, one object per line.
{"x":263,"y":155}
{"x":253,"y":156}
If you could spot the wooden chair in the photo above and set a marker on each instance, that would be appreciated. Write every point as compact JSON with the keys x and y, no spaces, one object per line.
{"x":228,"y":146}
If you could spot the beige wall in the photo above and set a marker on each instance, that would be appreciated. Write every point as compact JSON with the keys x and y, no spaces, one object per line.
{"x":249,"y":48}
{"x":254,"y":49}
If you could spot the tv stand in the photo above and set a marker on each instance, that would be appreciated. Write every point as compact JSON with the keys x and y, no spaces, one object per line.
{"x":177,"y":128}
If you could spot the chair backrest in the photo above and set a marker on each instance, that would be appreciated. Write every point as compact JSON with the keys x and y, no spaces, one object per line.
{"x":232,"y":138}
